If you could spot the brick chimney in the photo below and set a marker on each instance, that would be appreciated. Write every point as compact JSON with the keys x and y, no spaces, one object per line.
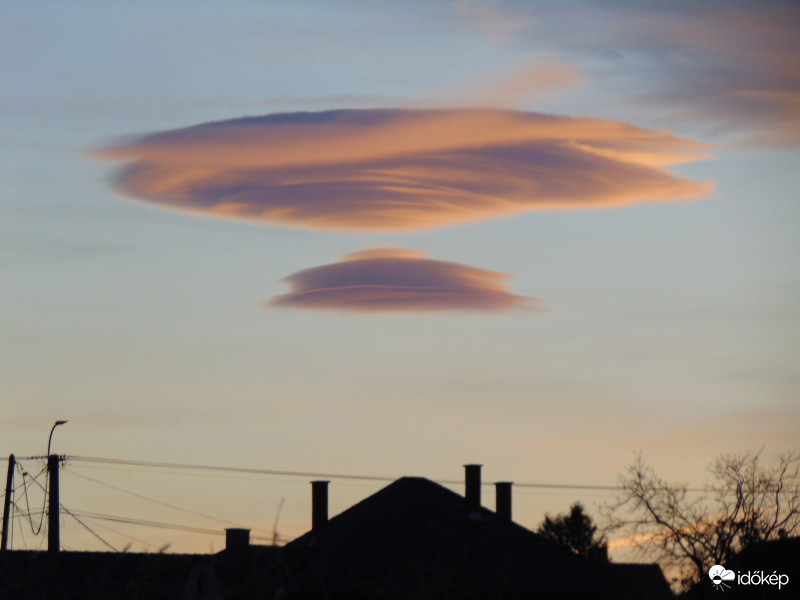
{"x":472,"y":487}
{"x":319,"y":505}
{"x":503,"y":499}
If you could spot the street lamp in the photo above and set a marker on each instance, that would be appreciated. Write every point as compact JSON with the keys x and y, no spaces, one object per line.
{"x":50,"y":439}
{"x":51,"y":489}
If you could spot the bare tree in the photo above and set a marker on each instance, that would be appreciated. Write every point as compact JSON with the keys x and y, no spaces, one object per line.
{"x":745,"y":503}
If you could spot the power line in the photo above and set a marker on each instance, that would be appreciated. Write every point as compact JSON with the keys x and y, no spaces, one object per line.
{"x":143,"y":497}
{"x":14,"y":489}
{"x":46,"y":471}
{"x":145,"y":523}
{"x":251,"y":471}
{"x":205,"y":474}
{"x":36,"y":530}
{"x":309,"y":474}
{"x":125,"y":535}
{"x":15,"y":509}
{"x":89,"y":529}
{"x":28,"y":480}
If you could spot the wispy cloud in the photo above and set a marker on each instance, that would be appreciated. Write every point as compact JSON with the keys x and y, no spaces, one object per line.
{"x":402,"y":170}
{"x":733,"y":65}
{"x":400,"y":280}
{"x":525,"y":84}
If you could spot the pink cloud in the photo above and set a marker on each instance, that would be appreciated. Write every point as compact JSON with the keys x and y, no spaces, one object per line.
{"x":402,"y":170}
{"x":400,"y":280}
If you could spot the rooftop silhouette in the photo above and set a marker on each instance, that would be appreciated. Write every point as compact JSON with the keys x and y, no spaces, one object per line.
{"x":413,"y":539}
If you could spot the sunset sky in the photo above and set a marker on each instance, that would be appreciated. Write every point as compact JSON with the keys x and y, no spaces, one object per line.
{"x":391,"y":238}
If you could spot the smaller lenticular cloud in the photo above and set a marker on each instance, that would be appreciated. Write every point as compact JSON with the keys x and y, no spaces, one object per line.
{"x":393,"y":279}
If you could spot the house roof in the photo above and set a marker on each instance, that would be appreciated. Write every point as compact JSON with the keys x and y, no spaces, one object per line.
{"x":412,"y":540}
{"x":418,"y":539}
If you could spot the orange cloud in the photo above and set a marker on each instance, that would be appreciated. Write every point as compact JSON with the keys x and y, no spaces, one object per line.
{"x":402,"y":170}
{"x":524,"y":85}
{"x":400,"y":280}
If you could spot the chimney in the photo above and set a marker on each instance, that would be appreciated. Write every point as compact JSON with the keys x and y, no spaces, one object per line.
{"x":319,"y":505}
{"x":503,"y":499}
{"x":472,"y":487}
{"x":237,"y":538}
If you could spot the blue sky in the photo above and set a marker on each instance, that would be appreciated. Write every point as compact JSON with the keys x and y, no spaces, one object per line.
{"x":671,"y":327}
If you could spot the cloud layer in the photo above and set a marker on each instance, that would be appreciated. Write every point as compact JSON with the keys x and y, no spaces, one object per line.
{"x":734,"y":64}
{"x":731,"y":65}
{"x":400,"y":280}
{"x":402,"y":170}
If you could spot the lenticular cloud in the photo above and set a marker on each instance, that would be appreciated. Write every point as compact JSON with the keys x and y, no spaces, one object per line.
{"x":400,"y":280}
{"x":402,"y":170}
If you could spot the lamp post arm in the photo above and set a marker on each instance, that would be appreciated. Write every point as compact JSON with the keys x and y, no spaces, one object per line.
{"x":52,"y":429}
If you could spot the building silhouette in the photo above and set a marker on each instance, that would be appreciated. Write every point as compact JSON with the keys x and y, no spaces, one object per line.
{"x":413,"y":539}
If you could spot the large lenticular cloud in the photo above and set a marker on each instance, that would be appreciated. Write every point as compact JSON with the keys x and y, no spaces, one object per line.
{"x":402,"y":170}
{"x":400,"y":280}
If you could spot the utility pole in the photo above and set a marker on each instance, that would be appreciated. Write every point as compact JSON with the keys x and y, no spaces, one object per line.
{"x":7,"y":501}
{"x":53,"y":514}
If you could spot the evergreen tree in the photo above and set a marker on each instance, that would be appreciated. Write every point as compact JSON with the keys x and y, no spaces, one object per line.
{"x":574,"y":530}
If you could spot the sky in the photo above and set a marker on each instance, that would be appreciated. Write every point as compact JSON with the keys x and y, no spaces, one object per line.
{"x":392,"y":238}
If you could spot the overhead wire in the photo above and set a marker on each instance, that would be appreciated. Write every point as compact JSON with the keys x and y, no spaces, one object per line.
{"x":19,"y":514}
{"x":227,"y":469}
{"x":70,"y":513}
{"x":14,"y":490}
{"x":313,"y":474}
{"x":166,"y":472}
{"x":92,"y":516}
{"x":89,"y":529}
{"x":44,"y":504}
{"x":155,"y":501}
{"x":125,"y":535}
{"x":146,"y":523}
{"x":28,"y":480}
{"x":46,"y":472}
{"x":34,"y":528}
{"x":16,"y":513}
{"x":14,"y":510}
